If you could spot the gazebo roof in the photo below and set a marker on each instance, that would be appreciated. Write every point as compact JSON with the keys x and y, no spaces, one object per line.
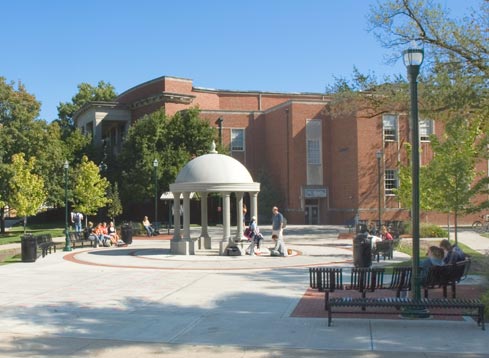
{"x":214,"y":172}
{"x":214,"y":168}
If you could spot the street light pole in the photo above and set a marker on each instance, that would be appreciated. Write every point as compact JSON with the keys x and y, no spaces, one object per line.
{"x":67,"y":235}
{"x":219,"y":126}
{"x":379,"y":177}
{"x":413,"y":58}
{"x":155,"y":167}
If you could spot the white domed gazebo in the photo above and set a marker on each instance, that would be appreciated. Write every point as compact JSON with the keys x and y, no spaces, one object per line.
{"x":211,"y":173}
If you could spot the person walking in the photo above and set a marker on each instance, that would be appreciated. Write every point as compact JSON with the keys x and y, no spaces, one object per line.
{"x":76,"y":219}
{"x":277,"y":223}
{"x":255,"y":237}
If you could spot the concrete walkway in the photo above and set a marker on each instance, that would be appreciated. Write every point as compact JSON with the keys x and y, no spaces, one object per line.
{"x":142,"y":302}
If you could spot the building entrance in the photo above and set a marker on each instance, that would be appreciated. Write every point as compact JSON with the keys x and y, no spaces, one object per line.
{"x":312,"y":214}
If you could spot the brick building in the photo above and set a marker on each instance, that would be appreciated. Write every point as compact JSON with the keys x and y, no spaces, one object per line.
{"x":325,"y":167}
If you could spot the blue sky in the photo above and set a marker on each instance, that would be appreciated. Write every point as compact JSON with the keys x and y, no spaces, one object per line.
{"x":267,"y":45}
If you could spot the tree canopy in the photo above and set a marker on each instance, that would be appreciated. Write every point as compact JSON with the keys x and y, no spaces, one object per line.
{"x":89,"y":188}
{"x":173,"y":141}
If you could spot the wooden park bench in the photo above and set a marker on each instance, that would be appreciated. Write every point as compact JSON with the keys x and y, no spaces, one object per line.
{"x":446,"y":276}
{"x":475,"y":305}
{"x":45,"y":243}
{"x":363,"y":280}
{"x":79,"y":238}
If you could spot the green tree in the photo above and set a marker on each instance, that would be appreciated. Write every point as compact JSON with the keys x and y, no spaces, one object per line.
{"x":452,"y":170}
{"x":27,"y":188}
{"x":395,"y":23}
{"x":115,"y":205}
{"x":86,"y":93}
{"x":89,"y":188}
{"x":404,"y":190}
{"x":18,"y":111}
{"x":453,"y":89}
{"x":173,"y":141}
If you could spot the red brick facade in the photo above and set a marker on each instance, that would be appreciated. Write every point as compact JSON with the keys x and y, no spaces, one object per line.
{"x":276,"y":140}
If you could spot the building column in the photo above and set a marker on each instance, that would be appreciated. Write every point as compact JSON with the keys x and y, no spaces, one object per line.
{"x":239,"y":214}
{"x":186,"y":223}
{"x":176,"y":216}
{"x":254,"y":206}
{"x":226,"y":222}
{"x":204,"y":234}
{"x":178,"y":246}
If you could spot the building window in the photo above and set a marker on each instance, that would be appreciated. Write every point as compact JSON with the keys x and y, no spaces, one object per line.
{"x":237,"y":139}
{"x":389,"y":122}
{"x":390,"y":181}
{"x":425,"y":129}
{"x":313,"y":152}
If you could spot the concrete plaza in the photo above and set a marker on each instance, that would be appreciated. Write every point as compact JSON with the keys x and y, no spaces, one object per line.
{"x":140,"y":301}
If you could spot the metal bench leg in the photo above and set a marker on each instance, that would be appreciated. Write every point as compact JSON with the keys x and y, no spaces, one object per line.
{"x":481,"y":318}
{"x":330,"y":318}
{"x":326,"y":300}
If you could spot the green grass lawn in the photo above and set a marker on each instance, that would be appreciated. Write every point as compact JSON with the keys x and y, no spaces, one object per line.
{"x":14,"y":234}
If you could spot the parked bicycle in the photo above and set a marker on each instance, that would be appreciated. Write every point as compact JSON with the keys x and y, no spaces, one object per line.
{"x":481,"y":225}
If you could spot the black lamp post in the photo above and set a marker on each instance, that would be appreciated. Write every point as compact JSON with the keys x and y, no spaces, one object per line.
{"x":67,"y":235}
{"x":378,"y":155}
{"x":155,"y":167}
{"x":219,"y":126}
{"x":413,"y":58}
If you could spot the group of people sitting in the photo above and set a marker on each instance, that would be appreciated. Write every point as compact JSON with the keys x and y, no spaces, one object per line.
{"x":376,"y":236}
{"x":103,"y":234}
{"x":444,"y":254}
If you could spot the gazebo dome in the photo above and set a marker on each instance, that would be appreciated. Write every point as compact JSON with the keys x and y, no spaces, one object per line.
{"x":214,"y":168}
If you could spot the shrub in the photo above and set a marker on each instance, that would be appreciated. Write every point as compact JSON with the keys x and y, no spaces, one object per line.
{"x":428,"y":230}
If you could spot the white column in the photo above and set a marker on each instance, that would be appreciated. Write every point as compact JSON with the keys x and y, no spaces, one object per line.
{"x":186,"y":215}
{"x":226,"y":215}
{"x":254,"y":205}
{"x":204,"y":218}
{"x":176,"y":216}
{"x":177,"y":245}
{"x":226,"y":223}
{"x":239,"y":214}
{"x":186,"y":224}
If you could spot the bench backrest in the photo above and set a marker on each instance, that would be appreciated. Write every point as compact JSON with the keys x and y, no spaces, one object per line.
{"x":43,"y":238}
{"x":438,"y":275}
{"x":366,"y":279}
{"x":401,"y":278}
{"x":326,"y":278}
{"x":461,"y":270}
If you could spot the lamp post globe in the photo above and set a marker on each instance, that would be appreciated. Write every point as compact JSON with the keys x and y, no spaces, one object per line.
{"x":413,"y":58}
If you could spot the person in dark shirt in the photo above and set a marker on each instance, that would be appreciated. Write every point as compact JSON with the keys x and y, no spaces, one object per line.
{"x":453,"y":253}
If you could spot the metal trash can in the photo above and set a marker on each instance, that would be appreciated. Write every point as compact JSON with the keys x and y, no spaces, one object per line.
{"x":362,"y":250}
{"x":126,"y":233}
{"x":28,"y":248}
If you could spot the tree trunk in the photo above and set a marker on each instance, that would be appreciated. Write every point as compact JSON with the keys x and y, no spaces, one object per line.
{"x":2,"y":219}
{"x":456,"y":226}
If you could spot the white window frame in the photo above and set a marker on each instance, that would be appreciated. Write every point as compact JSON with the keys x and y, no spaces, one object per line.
{"x":236,"y":133}
{"x":391,"y":181}
{"x":390,"y":127}
{"x":313,"y":152}
{"x":426,"y":129}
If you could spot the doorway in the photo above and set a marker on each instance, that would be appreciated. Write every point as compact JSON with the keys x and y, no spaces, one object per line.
{"x":311,"y":212}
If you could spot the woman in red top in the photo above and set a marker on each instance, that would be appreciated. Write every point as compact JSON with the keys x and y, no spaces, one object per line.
{"x":386,"y":235}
